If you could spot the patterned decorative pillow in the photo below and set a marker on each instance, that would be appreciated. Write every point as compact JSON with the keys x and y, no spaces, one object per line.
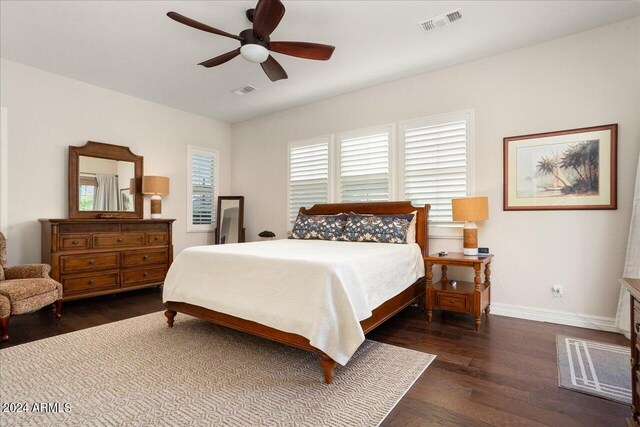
{"x":377,"y":228}
{"x":321,"y":227}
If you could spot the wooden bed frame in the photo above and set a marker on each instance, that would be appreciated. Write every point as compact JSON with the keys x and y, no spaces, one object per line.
{"x":414,"y":293}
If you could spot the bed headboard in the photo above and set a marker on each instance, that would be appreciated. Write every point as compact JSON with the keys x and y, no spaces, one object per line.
{"x":380,"y":208}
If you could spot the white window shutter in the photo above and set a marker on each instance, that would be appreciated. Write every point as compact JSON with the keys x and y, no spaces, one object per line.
{"x":435,"y":166}
{"x":202,"y":186}
{"x":364,"y":166}
{"x":308,"y":176}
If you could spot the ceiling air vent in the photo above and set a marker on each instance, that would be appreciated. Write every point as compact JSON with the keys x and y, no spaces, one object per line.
{"x":441,"y":21}
{"x":243,"y":90}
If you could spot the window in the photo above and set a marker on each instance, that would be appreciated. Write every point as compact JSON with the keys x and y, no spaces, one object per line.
{"x":430,"y":164}
{"x":88,"y":185}
{"x":364,"y":165}
{"x":308,"y":174}
{"x":435,"y":167}
{"x":202,"y":190}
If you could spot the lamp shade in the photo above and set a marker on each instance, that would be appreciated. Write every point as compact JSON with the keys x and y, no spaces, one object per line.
{"x":155,"y":185}
{"x":470,"y":209}
{"x":254,"y":53}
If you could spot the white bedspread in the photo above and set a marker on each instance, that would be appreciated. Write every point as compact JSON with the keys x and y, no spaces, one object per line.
{"x":318,"y":289}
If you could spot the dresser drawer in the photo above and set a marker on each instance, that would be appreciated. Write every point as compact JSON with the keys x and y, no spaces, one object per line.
{"x":144,"y":257}
{"x":70,"y":242}
{"x":157,"y":238}
{"x":75,"y":263}
{"x":89,"y":282}
{"x":88,"y":228}
{"x":160,"y":226}
{"x":143,"y":275}
{"x":117,"y":240}
{"x":450,"y":301}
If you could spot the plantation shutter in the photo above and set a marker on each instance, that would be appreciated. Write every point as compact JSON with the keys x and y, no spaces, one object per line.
{"x":364,"y":167}
{"x":435,"y":166}
{"x":308,"y":176}
{"x":203,"y":188}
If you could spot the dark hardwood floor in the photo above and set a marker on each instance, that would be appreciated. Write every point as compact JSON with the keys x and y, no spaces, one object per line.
{"x":503,"y":375}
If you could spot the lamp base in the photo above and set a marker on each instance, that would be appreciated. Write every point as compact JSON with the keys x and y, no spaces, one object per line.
{"x":156,"y":207}
{"x":470,"y":252}
{"x":470,"y":233}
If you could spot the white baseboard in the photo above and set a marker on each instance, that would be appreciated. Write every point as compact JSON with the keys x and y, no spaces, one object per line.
{"x":555,"y":316}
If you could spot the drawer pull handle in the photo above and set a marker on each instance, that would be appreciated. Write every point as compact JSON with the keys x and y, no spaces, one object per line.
{"x":92,"y":261}
{"x":67,"y":229}
{"x":156,"y":238}
{"x":74,"y":242}
{"x":146,"y":257}
{"x":92,"y":282}
{"x":119,"y":239}
{"x":450,"y":301}
{"x":637,"y":328}
{"x":145,"y":274}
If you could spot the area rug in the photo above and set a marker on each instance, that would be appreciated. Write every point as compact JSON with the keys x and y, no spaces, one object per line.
{"x":594,"y":368}
{"x":139,"y":372}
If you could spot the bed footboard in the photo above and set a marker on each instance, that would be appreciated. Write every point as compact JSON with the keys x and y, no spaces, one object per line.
{"x":414,"y":293}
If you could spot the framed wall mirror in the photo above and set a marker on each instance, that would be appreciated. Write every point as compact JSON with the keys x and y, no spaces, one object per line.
{"x":230,"y":220}
{"x":105,"y":181}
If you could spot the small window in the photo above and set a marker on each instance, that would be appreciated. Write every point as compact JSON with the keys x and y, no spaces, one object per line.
{"x":435,"y":163}
{"x":308,"y":175}
{"x":364,"y":165}
{"x":202,"y":188}
{"x":88,"y":185}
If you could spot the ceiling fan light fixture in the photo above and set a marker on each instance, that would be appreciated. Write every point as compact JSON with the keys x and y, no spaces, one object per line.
{"x":254,"y":53}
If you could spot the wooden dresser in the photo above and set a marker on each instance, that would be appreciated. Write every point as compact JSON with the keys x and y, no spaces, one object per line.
{"x":633,"y":286}
{"x":101,"y":256}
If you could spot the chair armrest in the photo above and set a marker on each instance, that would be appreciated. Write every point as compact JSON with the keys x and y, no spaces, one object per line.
{"x":27,"y":271}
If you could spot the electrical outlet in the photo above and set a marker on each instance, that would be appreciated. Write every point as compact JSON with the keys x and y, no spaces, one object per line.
{"x":558,"y":290}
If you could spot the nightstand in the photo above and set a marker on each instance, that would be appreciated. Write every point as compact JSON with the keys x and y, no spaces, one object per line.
{"x":464,"y":297}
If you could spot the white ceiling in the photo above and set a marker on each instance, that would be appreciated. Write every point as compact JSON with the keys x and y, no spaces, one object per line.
{"x":134,"y":48}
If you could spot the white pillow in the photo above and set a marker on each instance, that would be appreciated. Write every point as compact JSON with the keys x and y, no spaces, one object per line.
{"x":411,"y":233}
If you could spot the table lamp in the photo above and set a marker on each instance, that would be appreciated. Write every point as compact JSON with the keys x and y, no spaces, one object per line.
{"x":156,"y":186}
{"x":470,"y":210}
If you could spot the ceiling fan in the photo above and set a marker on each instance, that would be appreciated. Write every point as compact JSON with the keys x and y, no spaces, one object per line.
{"x":255,"y":43}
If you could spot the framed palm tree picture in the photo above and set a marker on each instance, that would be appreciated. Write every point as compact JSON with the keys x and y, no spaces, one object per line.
{"x":569,"y":169}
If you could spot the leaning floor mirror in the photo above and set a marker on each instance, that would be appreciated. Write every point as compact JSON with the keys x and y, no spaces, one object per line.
{"x":230,"y":220}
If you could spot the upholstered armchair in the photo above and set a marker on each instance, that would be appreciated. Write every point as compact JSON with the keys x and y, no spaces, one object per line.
{"x":25,"y":289}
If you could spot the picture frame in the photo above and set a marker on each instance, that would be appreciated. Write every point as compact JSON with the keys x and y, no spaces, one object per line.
{"x":126,"y":199}
{"x":573,"y":169}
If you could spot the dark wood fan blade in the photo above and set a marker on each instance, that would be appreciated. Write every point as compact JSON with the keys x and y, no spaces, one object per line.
{"x":200,"y":26}
{"x":220,"y":59}
{"x":267,"y":17}
{"x":305,"y":50}
{"x":273,"y":69}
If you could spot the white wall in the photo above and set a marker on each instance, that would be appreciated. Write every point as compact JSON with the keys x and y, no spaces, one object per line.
{"x":48,"y":112}
{"x":587,"y":79}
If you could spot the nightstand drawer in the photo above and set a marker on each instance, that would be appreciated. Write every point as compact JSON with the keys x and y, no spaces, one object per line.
{"x":452,"y":301}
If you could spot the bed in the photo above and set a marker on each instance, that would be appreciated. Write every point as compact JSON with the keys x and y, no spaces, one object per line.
{"x":319,"y":296}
